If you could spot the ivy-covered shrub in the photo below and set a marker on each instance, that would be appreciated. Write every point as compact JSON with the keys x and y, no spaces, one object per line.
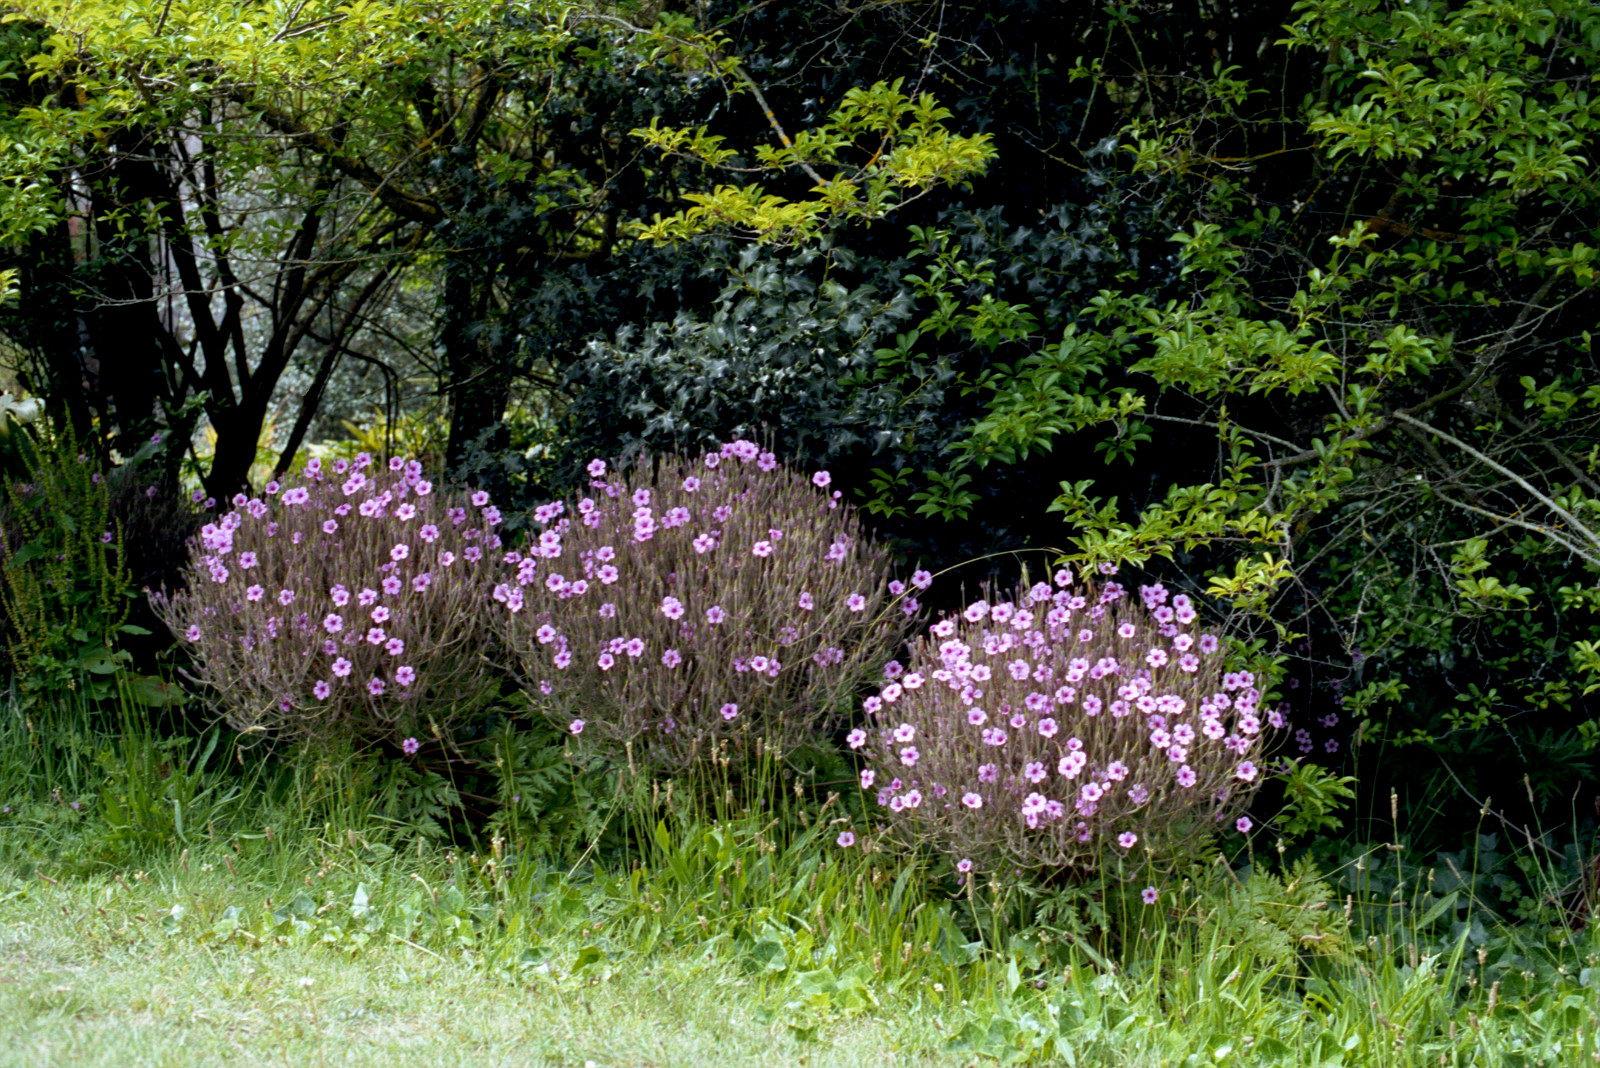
{"x":700,"y":605}
{"x":351,"y":605}
{"x":1051,"y":731}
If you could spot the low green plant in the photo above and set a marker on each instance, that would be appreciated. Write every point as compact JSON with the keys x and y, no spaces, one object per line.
{"x":64,"y":588}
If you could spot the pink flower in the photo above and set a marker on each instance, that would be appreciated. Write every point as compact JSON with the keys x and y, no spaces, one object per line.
{"x":605,"y":662}
{"x":821,"y":479}
{"x":254,"y":593}
{"x":405,"y":675}
{"x":730,"y":711}
{"x":1243,"y":824}
{"x":715,"y":615}
{"x":193,"y":633}
{"x":394,"y":646}
{"x":972,"y":800}
{"x":1246,"y":771}
{"x":1127,"y":839}
{"x":921,"y":579}
{"x":576,"y":726}
{"x":909,"y":756}
{"x":867,"y":777}
{"x":963,"y":865}
{"x":856,"y":603}
{"x":399,"y":552}
{"x":410,"y":745}
{"x":596,"y":469}
{"x":1186,"y":777}
{"x":762,"y":548}
{"x":1149,"y":895}
{"x":846,"y":839}
{"x":321,"y":690}
{"x":333,"y":623}
{"x":479,"y":499}
{"x":671,"y":658}
{"x":375,"y":686}
{"x":806,"y":602}
{"x":856,"y":738}
{"x":672,"y":608}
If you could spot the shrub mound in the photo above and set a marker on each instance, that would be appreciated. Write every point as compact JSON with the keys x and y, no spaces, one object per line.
{"x":1066,"y":726}
{"x":351,"y":605}
{"x":693,"y":606}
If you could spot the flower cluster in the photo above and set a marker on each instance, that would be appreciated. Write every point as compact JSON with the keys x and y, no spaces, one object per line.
{"x":352,"y":603}
{"x":695,"y":605}
{"x":1066,"y":724}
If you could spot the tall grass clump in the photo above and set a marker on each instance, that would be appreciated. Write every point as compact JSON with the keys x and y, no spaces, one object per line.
{"x":351,"y":606}
{"x":699,"y":606}
{"x":1065,"y":728}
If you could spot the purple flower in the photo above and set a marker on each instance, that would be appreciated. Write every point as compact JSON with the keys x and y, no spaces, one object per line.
{"x":963,"y":865}
{"x":394,"y":646}
{"x":672,"y":608}
{"x":856,"y":738}
{"x":921,"y":579}
{"x":405,"y":675}
{"x":1149,"y":895}
{"x":1127,"y":839}
{"x":867,"y":777}
{"x":730,"y":711}
{"x":410,"y":745}
{"x":1243,"y":824}
{"x":321,"y":690}
{"x":715,"y":615}
{"x":596,"y":469}
{"x":972,"y":800}
{"x":846,"y":839}
{"x":1246,"y":771}
{"x":193,"y":633}
{"x":821,"y":479}
{"x":605,"y":662}
{"x":762,"y":548}
{"x":805,"y":602}
{"x":375,"y":686}
{"x":576,"y":726}
{"x":341,"y":667}
{"x":855,"y":602}
{"x":671,"y":658}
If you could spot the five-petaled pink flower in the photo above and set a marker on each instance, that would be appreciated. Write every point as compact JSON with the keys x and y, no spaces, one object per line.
{"x":846,"y":839}
{"x":1149,"y":895}
{"x":411,"y":745}
{"x":730,"y":711}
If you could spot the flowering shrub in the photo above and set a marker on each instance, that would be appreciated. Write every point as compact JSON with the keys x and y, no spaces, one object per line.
{"x":353,"y":604}
{"x":701,"y":602}
{"x":1065,"y":725}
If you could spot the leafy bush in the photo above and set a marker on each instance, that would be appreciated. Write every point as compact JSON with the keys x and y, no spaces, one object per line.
{"x":63,"y":587}
{"x":351,"y":607}
{"x":1117,"y":708}
{"x":706,"y":604}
